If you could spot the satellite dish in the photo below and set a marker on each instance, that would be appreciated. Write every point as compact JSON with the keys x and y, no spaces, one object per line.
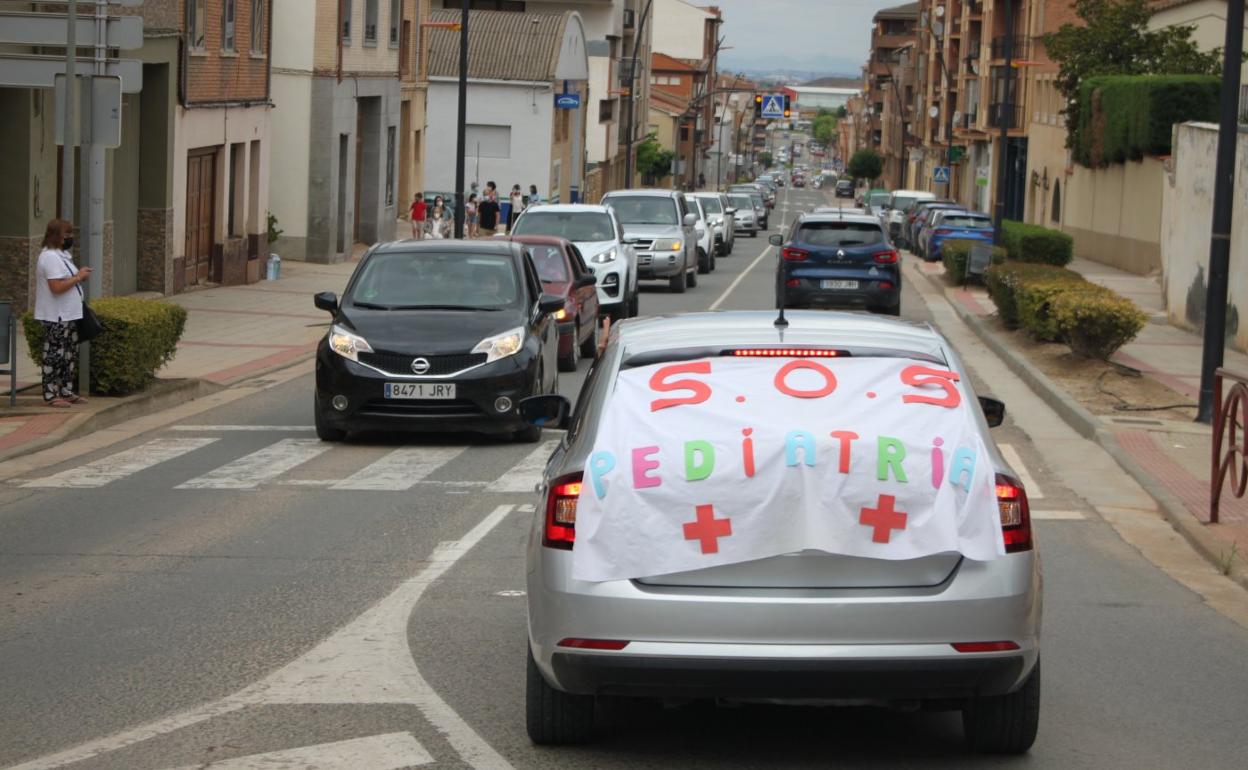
{"x":933,"y":111}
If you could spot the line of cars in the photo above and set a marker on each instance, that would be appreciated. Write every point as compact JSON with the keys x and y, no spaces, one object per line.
{"x":921,"y":222}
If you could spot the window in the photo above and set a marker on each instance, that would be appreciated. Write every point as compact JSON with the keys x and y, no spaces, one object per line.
{"x":390,"y":166}
{"x":674,"y":80}
{"x":257,"y":26}
{"x":370,"y":21}
{"x":606,"y":110}
{"x":228,"y":11}
{"x":195,"y":24}
{"x":344,"y":12}
{"x":396,"y":16}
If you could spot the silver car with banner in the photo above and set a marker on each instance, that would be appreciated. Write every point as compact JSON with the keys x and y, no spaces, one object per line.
{"x":941,"y":632}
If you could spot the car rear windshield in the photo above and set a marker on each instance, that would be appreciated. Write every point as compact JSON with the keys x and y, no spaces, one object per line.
{"x":416,"y":280}
{"x":576,"y":226}
{"x":878,"y":198}
{"x":839,"y":234}
{"x":712,"y":205}
{"x":958,"y":220}
{"x":643,"y":209}
{"x":549,"y":262}
{"x":903,"y":202}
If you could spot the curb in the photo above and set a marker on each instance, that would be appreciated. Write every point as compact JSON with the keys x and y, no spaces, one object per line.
{"x":1090,"y":427}
{"x":161,"y":395}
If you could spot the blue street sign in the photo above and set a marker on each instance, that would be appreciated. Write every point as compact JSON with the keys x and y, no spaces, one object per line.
{"x":567,"y":101}
{"x":773,"y":106}
{"x":940,"y":175}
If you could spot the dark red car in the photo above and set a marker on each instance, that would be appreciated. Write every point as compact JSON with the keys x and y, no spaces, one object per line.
{"x":563,"y":273}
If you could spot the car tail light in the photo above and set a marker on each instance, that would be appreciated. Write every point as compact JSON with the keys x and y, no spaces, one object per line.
{"x":886,"y":284}
{"x":791,"y":254}
{"x":785,"y":353}
{"x":593,"y":644}
{"x":1015,"y":515}
{"x":984,"y":646}
{"x":793,"y":283}
{"x":560,"y":530}
{"x":885,"y":257}
{"x":941,"y":231}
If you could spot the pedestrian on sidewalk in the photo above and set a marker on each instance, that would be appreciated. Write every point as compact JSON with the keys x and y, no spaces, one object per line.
{"x":701,"y":181}
{"x":470,"y":216}
{"x":488,"y":211}
{"x":439,"y":224}
{"x":58,"y":306}
{"x":517,"y":206}
{"x":419,"y":213}
{"x":535,"y":199}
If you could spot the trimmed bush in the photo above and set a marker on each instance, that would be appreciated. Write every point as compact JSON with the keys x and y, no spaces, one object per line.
{"x":1096,"y":324}
{"x":1005,"y":280}
{"x":1033,"y":243}
{"x":1125,"y":117}
{"x":956,"y":254}
{"x":1035,"y":304}
{"x":140,"y":336}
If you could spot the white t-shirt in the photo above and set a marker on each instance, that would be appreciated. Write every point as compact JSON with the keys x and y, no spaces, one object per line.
{"x":66,"y":306}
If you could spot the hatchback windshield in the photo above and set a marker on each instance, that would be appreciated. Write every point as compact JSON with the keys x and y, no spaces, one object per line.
{"x":839,"y":234}
{"x":961,"y":220}
{"x":549,"y":263}
{"x":741,"y":201}
{"x":415,"y":281}
{"x":878,"y":199}
{"x":643,"y":209}
{"x":576,"y":226}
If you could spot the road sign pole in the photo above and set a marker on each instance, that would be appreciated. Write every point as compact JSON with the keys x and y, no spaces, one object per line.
{"x":460,"y":217}
{"x":70,"y":112}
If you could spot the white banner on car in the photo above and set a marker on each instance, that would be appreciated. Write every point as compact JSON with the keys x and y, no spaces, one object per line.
{"x":727,"y":460}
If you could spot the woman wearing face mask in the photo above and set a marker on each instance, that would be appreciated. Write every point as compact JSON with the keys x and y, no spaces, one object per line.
{"x":58,"y":306}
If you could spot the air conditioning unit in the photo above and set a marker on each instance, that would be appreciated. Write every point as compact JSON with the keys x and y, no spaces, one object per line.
{"x":630,"y":18}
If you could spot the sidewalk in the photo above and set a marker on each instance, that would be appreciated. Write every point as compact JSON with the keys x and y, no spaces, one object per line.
{"x":1168,"y":454}
{"x":232,"y":333}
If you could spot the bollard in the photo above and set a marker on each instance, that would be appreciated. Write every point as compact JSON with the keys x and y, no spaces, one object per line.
{"x":273,"y":268}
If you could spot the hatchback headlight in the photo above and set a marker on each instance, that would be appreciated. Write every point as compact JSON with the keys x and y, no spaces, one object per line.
{"x":669,"y":244}
{"x":607,"y":256}
{"x":501,"y":345}
{"x":347,"y":344}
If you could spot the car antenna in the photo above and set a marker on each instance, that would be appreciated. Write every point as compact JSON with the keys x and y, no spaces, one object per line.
{"x":781,"y":322}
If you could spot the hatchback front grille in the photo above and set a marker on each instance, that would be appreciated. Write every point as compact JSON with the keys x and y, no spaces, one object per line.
{"x":398,"y":363}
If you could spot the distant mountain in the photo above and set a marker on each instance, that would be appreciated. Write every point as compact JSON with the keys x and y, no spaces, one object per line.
{"x":838,"y":81}
{"x":795,"y":76}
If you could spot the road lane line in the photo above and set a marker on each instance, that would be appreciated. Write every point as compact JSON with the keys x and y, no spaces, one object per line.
{"x":125,"y":463}
{"x":392,"y":751}
{"x":401,"y":469}
{"x":1016,"y":462}
{"x":258,"y":467}
{"x":1058,"y":515}
{"x":526,"y":474}
{"x":224,"y":428}
{"x":715,"y":305}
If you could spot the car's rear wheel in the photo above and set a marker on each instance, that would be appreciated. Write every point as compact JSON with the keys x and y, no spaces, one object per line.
{"x":677,"y":283}
{"x":1004,"y":724}
{"x":691,"y":278}
{"x":712,"y":259}
{"x":634,"y":305}
{"x":554,"y":717}
{"x":569,"y":362}
{"x":753,"y":233}
{"x":589,"y":348}
{"x":325,"y":431}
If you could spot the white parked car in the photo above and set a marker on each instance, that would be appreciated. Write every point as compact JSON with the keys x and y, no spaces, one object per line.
{"x":723,"y":219}
{"x":706,"y":234}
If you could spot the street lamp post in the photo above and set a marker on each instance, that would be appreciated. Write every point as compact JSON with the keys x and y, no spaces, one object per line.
{"x":1005,"y":108}
{"x":460,"y":138}
{"x":632,"y":79}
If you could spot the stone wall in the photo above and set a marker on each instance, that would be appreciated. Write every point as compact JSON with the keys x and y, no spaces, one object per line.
{"x":17,"y":259}
{"x":155,"y":267}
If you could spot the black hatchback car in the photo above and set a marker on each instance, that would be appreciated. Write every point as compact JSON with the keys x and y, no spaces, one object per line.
{"x":436,"y":336}
{"x":841,"y":260}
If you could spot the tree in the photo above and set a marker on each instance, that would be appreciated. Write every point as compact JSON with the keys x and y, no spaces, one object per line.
{"x":1115,"y":40}
{"x":824,"y":127}
{"x":842,"y":112}
{"x":865,"y":164}
{"x":764,"y":157}
{"x":653,"y":160}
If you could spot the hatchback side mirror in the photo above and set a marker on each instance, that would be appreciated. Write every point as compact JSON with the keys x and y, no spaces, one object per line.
{"x":775,"y":240}
{"x":588,"y":279}
{"x":690,"y":220}
{"x":994,"y":410}
{"x":550,"y":303}
{"x":554,"y":412}
{"x":730,"y":212}
{"x":327,"y":301}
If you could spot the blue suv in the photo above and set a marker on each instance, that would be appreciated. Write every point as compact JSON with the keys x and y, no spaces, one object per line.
{"x":838,"y":260}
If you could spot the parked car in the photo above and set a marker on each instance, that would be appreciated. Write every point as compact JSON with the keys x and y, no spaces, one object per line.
{"x":706,"y":235}
{"x":745,"y":217}
{"x":839,"y":260}
{"x":845,"y":188}
{"x":436,"y":336}
{"x":563,"y":273}
{"x":759,"y":202}
{"x":660,"y":227}
{"x":956,"y":225}
{"x":806,"y":627}
{"x":599,"y":237}
{"x":874,"y":199}
{"x":916,"y":218}
{"x":898,"y":207}
{"x":723,"y":220}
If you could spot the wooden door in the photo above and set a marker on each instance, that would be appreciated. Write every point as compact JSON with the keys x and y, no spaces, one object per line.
{"x":201,"y":173}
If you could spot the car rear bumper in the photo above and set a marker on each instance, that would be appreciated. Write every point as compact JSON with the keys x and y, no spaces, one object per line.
{"x":868,"y":294}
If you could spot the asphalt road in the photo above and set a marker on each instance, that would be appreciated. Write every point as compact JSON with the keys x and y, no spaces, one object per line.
{"x":223,"y":586}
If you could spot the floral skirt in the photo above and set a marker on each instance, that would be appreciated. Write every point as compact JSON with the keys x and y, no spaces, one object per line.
{"x":60,"y":358}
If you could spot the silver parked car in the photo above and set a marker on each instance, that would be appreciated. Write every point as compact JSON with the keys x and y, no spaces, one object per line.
{"x":745,"y":219}
{"x":941,"y":632}
{"x":661,"y":229}
{"x":722,"y":215}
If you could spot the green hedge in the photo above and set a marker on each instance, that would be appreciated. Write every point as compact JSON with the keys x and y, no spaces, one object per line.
{"x":140,"y":336}
{"x":1035,"y":303}
{"x":955,"y":254}
{"x":1005,"y":280}
{"x":1125,"y":117}
{"x":1033,"y":243}
{"x":1096,"y":325}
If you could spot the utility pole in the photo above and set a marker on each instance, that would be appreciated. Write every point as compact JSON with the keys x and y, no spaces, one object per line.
{"x":1223,"y":209}
{"x":632,"y":79}
{"x":1005,"y":117}
{"x":91,"y":158}
{"x":460,"y":138}
{"x":70,"y":112}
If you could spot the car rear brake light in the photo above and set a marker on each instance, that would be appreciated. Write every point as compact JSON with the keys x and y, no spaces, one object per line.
{"x":984,"y":646}
{"x":785,"y":353}
{"x":1015,"y":514}
{"x":560,"y":529}
{"x":593,"y":644}
{"x":941,"y":231}
{"x":791,"y":254}
{"x":885,"y":257}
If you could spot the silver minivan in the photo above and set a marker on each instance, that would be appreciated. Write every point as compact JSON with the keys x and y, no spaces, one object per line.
{"x":940,"y":632}
{"x":661,"y":229}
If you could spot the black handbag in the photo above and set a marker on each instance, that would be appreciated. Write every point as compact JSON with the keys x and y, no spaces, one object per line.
{"x":89,"y":326}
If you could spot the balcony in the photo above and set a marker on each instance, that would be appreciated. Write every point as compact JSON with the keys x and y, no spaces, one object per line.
{"x":889,"y":42}
{"x":1005,"y":115}
{"x":1021,"y":47}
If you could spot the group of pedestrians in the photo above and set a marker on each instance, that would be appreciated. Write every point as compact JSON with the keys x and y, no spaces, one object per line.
{"x":482,"y":212}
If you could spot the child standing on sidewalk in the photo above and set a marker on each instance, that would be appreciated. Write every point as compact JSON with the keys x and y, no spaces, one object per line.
{"x":419,"y":213}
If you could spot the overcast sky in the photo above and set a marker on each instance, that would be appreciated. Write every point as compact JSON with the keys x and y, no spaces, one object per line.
{"x":823,"y":35}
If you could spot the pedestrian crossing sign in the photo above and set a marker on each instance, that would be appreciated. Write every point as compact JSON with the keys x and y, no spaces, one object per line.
{"x":773,"y":106}
{"x":940,"y":175}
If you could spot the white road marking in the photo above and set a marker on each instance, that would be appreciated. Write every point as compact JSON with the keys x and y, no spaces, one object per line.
{"x":366,"y":661}
{"x":258,"y":467}
{"x":379,"y":752}
{"x":400,"y":469}
{"x":1016,"y":462}
{"x":124,"y":463}
{"x":224,"y":428}
{"x":526,"y":474}
{"x":715,"y":305}
{"x":1058,"y":515}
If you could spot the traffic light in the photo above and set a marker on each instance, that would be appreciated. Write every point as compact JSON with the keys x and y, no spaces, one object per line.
{"x":758,"y":106}
{"x":787,"y":111}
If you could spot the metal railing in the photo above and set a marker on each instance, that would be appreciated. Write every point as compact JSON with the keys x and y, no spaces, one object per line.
{"x":1005,"y":115}
{"x":1019,"y":46}
{"x":1229,"y":462}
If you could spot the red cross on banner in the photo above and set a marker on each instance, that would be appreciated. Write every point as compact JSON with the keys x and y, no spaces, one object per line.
{"x":708,"y":529}
{"x":883,"y":519}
